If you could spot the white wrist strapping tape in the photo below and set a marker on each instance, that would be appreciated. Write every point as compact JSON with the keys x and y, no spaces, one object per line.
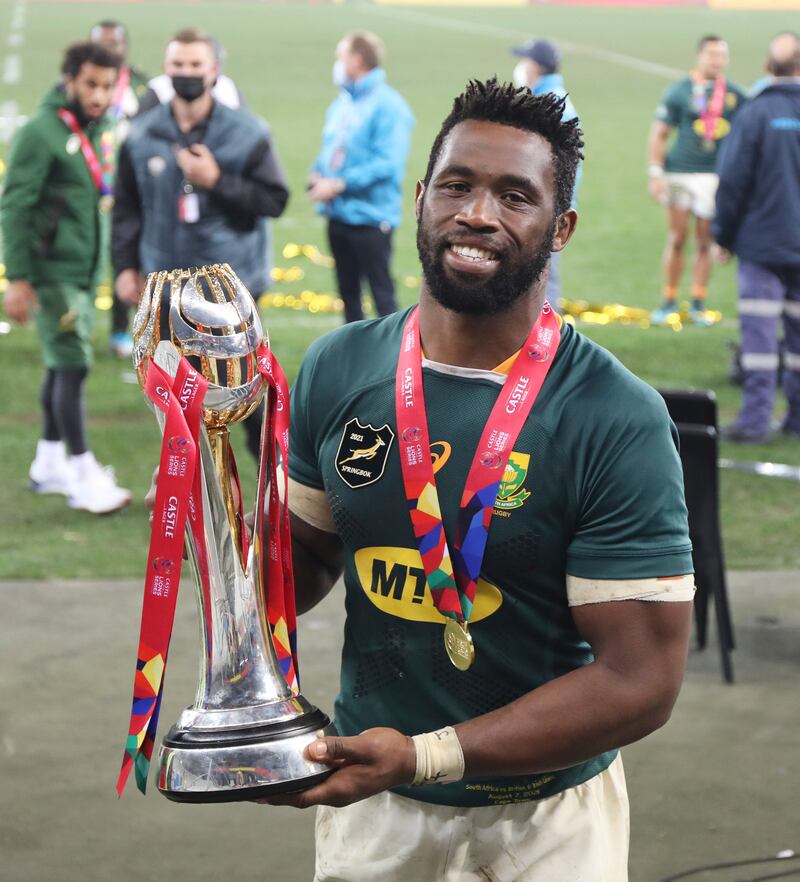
{"x":440,"y":759}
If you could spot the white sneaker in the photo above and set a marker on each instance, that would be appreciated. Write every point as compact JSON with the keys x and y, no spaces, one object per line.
{"x":94,"y":488}
{"x":50,"y":472}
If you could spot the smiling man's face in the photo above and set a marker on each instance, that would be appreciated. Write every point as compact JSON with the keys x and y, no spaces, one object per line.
{"x":486,"y":220}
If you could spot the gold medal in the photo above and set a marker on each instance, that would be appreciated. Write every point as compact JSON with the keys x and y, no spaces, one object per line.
{"x":105,"y":204}
{"x":458,"y":644}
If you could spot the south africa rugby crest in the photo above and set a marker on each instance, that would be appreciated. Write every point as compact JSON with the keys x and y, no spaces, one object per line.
{"x":363,"y":452}
{"x":511,"y":493}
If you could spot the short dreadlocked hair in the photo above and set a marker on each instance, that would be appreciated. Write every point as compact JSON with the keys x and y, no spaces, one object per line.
{"x":506,"y":105}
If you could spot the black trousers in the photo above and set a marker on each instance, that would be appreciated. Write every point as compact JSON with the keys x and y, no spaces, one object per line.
{"x":362,"y":252}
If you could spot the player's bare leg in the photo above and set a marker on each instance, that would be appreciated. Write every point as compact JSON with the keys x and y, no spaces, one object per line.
{"x":672,"y":261}
{"x":701,"y":268}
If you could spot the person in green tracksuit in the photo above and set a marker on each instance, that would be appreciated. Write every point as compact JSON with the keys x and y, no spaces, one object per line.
{"x":54,"y":222}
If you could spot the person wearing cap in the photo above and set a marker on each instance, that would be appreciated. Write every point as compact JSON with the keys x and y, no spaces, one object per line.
{"x":538,"y":70}
{"x":700,"y":108}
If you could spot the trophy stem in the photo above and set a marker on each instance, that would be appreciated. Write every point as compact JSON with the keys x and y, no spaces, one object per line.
{"x":219,"y":439}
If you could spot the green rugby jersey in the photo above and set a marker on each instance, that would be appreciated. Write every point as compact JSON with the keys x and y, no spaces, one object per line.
{"x":594,"y":488}
{"x":677,"y":109}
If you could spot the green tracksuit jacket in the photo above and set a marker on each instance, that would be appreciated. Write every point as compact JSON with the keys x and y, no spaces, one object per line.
{"x":52,"y":231}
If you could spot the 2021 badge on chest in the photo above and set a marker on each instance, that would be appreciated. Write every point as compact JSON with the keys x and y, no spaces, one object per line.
{"x":363,"y":453}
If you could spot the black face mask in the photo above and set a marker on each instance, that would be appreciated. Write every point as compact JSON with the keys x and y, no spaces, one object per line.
{"x":189,"y":88}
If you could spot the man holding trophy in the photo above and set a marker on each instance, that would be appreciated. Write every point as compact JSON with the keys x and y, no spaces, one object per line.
{"x":506,"y":503}
{"x":517,"y":581}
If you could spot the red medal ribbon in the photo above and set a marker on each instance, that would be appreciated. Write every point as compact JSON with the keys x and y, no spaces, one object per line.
{"x":709,"y":111}
{"x":281,"y":611}
{"x":453,"y":581}
{"x":123,"y":81}
{"x":178,"y":497}
{"x":102,"y":175}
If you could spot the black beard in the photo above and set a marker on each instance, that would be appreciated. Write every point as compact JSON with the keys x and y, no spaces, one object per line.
{"x":506,"y":286}
{"x":80,"y":114}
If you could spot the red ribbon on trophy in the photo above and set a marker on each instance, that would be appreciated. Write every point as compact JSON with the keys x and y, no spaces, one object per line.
{"x":179,"y":500}
{"x":281,"y":612}
{"x":178,"y":497}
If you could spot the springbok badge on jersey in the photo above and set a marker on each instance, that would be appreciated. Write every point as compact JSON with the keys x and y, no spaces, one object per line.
{"x":363,"y":452}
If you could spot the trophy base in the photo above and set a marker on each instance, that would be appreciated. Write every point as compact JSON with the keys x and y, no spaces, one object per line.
{"x":246,"y":763}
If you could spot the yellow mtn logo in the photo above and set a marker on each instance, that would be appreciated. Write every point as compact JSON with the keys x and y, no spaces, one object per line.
{"x":721,"y":128}
{"x":394,"y":581}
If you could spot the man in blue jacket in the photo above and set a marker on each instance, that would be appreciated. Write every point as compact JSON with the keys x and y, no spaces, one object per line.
{"x":758,"y":219}
{"x":538,"y":70}
{"x":356,"y":179}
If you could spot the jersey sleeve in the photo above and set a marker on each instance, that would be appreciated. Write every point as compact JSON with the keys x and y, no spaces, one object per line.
{"x":303,"y":452}
{"x":632,"y":520}
{"x":669,"y":110}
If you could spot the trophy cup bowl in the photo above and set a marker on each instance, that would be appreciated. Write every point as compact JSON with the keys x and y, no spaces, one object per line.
{"x":245,"y":735}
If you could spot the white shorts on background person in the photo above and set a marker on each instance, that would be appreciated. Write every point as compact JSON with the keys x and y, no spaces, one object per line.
{"x":692,"y":191}
{"x":579,"y":835}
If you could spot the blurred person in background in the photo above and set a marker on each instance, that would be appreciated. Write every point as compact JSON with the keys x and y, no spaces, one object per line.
{"x":764,"y":81}
{"x":357,"y":177}
{"x":224,"y":90}
{"x":538,"y":69}
{"x":132,"y":83}
{"x":57,"y":191}
{"x":196,"y":184}
{"x":758,"y":219}
{"x":699,"y":108}
{"x":130,"y":88}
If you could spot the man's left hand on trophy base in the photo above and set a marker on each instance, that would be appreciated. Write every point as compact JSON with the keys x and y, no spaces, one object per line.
{"x":365,"y":764}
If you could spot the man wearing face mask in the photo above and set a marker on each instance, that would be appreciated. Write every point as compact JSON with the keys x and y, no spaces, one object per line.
{"x":196,"y":180}
{"x":224,"y":90}
{"x":538,"y":70}
{"x":357,"y":177}
{"x":196,"y":184}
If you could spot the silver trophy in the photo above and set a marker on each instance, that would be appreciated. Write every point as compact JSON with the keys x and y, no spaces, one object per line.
{"x":244,"y":736}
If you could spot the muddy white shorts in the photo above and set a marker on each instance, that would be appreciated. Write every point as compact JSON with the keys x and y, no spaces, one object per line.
{"x":580,"y":835}
{"x":692,"y":191}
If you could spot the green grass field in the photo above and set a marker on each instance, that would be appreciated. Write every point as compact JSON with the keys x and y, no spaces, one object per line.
{"x":281,"y":56}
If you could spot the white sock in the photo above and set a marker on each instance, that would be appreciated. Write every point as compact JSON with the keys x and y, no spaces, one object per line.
{"x":83,"y":464}
{"x":50,"y":452}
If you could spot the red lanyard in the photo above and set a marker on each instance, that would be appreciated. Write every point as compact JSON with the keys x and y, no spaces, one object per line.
{"x":709,"y":111}
{"x":281,"y":612}
{"x":453,"y":570}
{"x":123,"y":81}
{"x":102,"y":175}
